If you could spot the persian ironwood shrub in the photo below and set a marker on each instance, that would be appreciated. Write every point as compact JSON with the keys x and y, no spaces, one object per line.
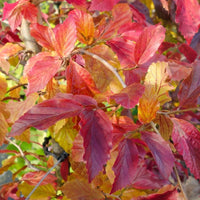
{"x":105,"y":93}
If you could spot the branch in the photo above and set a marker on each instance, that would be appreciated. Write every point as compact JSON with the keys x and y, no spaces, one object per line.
{"x":106,"y":64}
{"x":180,"y":184}
{"x":154,"y":128}
{"x":179,"y":111}
{"x":22,"y":155}
{"x":38,"y":184}
{"x":10,"y":76}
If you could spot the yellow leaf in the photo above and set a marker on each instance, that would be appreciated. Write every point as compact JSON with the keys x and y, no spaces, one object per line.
{"x":64,"y":134}
{"x":43,"y":192}
{"x":7,"y":163}
{"x":157,"y":78}
{"x":15,"y":92}
{"x":3,"y":87}
{"x":24,"y":137}
{"x":52,"y":89}
{"x":79,"y":189}
{"x":156,"y":92}
{"x":130,"y":193}
{"x":3,"y":128}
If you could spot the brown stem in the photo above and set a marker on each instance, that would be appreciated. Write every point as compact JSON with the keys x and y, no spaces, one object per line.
{"x":180,"y":184}
{"x":17,"y":86}
{"x":10,"y":76}
{"x":22,"y":155}
{"x":179,"y":111}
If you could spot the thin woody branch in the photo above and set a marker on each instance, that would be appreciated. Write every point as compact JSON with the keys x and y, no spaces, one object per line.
{"x":179,"y":111}
{"x":106,"y":64}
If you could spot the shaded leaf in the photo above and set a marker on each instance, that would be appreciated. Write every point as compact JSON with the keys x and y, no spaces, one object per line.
{"x":148,"y":43}
{"x":43,"y":192}
{"x":161,"y":152}
{"x":186,"y":140}
{"x":165,"y":126}
{"x":188,"y":52}
{"x":45,"y":114}
{"x":78,"y":3}
{"x":190,"y":88}
{"x":189,"y":11}
{"x":7,"y":163}
{"x":79,"y":80}
{"x":125,"y":165}
{"x":103,"y":5}
{"x":64,"y":169}
{"x":96,"y":130}
{"x":17,"y":109}
{"x":79,"y":189}
{"x":168,"y":195}
{"x":129,"y":96}
{"x":84,"y":25}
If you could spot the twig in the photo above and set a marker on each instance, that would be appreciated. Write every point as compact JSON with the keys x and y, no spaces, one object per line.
{"x":106,"y":64}
{"x":17,"y":86}
{"x":180,"y":184}
{"x":178,"y":111}
{"x":154,"y":127}
{"x":9,"y":75}
{"x":38,"y":184}
{"x":22,"y":155}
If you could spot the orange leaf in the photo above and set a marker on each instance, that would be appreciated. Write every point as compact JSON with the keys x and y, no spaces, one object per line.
{"x":7,"y":163}
{"x":3,"y":87}
{"x":156,"y":92}
{"x":5,"y":65}
{"x":17,"y":109}
{"x":79,"y":189}
{"x":84,"y":25}
{"x":9,"y":49}
{"x":3,"y":128}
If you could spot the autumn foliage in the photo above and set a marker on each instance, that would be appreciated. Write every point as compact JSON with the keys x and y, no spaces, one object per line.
{"x":112,"y":85}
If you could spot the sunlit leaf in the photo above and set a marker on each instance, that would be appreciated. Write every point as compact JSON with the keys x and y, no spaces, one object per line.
{"x":79,"y":189}
{"x":79,"y":80}
{"x":96,"y":130}
{"x":3,"y":128}
{"x":43,"y":192}
{"x":3,"y":87}
{"x":148,"y":43}
{"x":186,"y":139}
{"x":84,"y":25}
{"x":7,"y":163}
{"x":9,"y":49}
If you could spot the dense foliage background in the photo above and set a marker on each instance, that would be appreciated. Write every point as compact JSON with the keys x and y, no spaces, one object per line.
{"x":105,"y":93}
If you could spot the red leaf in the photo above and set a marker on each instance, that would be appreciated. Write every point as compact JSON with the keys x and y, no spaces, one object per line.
{"x":125,"y":166}
{"x":148,"y":43}
{"x":169,"y":195}
{"x":186,"y":139}
{"x":15,"y":11}
{"x":103,"y":5}
{"x":43,"y":35}
{"x":189,"y":11}
{"x":124,"y":50}
{"x":161,"y":152}
{"x":32,"y":178}
{"x":42,"y":72}
{"x":188,"y":52}
{"x":45,"y":114}
{"x":65,"y":35}
{"x":130,"y":95}
{"x":96,"y":130}
{"x":79,"y":80}
{"x":64,"y":169}
{"x":190,"y":88}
